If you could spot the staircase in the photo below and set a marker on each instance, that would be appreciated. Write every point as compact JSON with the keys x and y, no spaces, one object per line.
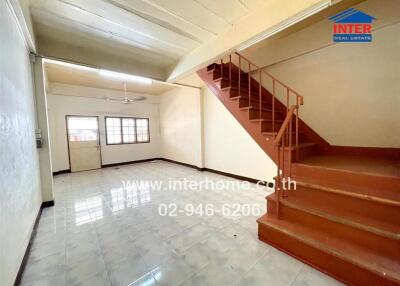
{"x":343,"y":215}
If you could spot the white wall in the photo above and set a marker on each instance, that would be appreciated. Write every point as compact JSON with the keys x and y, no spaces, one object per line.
{"x":20,"y":195}
{"x":227,"y":145}
{"x":180,"y":118}
{"x":46,"y":172}
{"x":68,"y":103}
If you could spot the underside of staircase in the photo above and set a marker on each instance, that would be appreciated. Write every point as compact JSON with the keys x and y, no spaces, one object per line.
{"x":343,"y":216}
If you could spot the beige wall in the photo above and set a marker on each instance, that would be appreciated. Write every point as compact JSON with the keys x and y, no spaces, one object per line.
{"x":20,"y":195}
{"x":351,"y":90}
{"x":60,"y":106}
{"x":197,"y":129}
{"x":228,"y":147}
{"x":180,"y":121}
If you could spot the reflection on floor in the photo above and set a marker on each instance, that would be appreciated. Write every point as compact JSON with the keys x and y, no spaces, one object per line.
{"x":107,"y":230}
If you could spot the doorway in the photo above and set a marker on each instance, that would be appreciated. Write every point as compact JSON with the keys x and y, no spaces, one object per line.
{"x":83,"y":142}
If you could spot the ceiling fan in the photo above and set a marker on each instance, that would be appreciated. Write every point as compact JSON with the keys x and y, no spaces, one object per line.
{"x":127,"y":100}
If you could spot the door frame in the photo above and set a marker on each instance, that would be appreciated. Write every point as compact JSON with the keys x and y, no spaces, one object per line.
{"x":98,"y":138}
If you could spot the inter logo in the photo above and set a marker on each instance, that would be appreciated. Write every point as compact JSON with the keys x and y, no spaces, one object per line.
{"x":352,"y":26}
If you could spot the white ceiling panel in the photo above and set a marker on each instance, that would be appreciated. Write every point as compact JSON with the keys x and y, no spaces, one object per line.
{"x":230,"y":10}
{"x":58,"y":23}
{"x":253,"y":4}
{"x":132,"y":22}
{"x":100,"y":42}
{"x":164,"y":18}
{"x":159,"y":32}
{"x":193,"y":11}
{"x":59,"y":12}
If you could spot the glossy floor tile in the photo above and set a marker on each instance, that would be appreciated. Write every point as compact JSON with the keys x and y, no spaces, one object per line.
{"x":145,"y":224}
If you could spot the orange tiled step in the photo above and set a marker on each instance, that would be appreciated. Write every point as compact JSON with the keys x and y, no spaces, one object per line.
{"x":336,"y":222}
{"x":341,"y":258}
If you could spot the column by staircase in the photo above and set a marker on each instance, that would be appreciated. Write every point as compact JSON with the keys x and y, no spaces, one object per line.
{"x":343,"y":215}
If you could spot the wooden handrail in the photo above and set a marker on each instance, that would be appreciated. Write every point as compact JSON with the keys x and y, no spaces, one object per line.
{"x":285,"y":123}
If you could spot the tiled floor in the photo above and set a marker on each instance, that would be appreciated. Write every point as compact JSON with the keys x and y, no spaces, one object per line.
{"x":104,"y":233}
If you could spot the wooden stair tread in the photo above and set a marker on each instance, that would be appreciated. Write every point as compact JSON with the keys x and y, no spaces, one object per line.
{"x":257,"y":109}
{"x":244,"y":87}
{"x":344,"y":192}
{"x":342,"y":216}
{"x":343,"y":249}
{"x":274,"y":133}
{"x":265,"y":120}
{"x":345,"y":170}
{"x":368,"y":165}
{"x":376,"y":190}
{"x":245,"y":95}
{"x":253,"y":100}
{"x":301,"y":145}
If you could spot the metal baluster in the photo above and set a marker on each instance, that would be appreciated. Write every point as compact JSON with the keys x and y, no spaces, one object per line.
{"x":283,"y":160}
{"x":273,"y":105}
{"x":259,"y":92}
{"x":240,"y":71}
{"x":297,"y":127}
{"x":249,"y":86}
{"x":278,"y":183}
{"x":290,"y":147}
{"x":222,"y":63}
{"x":230,"y":70}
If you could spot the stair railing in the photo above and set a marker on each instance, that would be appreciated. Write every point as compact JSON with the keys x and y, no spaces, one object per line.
{"x":283,"y":138}
{"x":289,"y":92}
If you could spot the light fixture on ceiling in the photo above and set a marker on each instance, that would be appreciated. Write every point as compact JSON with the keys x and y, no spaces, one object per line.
{"x":66,"y":64}
{"x":102,"y":72}
{"x":286,"y":24}
{"x":127,"y":100}
{"x":125,"y":77}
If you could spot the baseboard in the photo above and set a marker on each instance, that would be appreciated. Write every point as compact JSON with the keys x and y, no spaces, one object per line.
{"x":62,"y":172}
{"x":47,"y":204}
{"x":243,"y":178}
{"x":129,"y":162}
{"x":30,"y":243}
{"x":183,"y":164}
{"x":109,"y":165}
{"x":365,"y":151}
{"x":238,"y":177}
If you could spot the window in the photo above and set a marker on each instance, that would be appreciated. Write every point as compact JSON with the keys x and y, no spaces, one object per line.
{"x":142,"y":128}
{"x":127,"y":130}
{"x":113,"y":130}
{"x":82,"y":128}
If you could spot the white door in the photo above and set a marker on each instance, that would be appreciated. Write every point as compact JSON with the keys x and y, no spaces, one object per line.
{"x":83,"y":142}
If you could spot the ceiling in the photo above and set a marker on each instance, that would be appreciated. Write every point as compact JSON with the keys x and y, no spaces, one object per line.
{"x":156,"y":32}
{"x":91,"y":78}
{"x":192,"y":80}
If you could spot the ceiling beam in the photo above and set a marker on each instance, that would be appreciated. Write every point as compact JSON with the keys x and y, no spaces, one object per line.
{"x":164,"y":18}
{"x":267,"y":16}
{"x":116,"y":21}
